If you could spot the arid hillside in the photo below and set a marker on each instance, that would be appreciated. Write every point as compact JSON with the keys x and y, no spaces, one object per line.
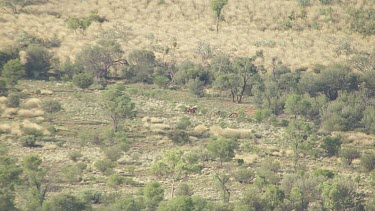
{"x":299,"y":36}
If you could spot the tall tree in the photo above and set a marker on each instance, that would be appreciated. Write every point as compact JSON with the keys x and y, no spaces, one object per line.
{"x":174,"y":166}
{"x":118,"y":104}
{"x":217,"y":6}
{"x":100,"y":58}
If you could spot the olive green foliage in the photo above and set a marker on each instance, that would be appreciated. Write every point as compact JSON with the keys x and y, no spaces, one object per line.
{"x":368,"y":120}
{"x":83,"y":23}
{"x":184,"y":190}
{"x":3,"y":87}
{"x":15,"y":6}
{"x":183,"y":123}
{"x":187,"y":70}
{"x":368,"y":161}
{"x":349,"y":154}
{"x":271,"y":90}
{"x":9,"y":177}
{"x":100,"y":58}
{"x":222,"y":148}
{"x":326,"y":1}
{"x":174,"y":166}
{"x":185,"y":203}
{"x":36,"y":182}
{"x":39,"y":61}
{"x":65,"y":202}
{"x":142,"y":64}
{"x":117,"y":180}
{"x":237,"y":76}
{"x":329,"y":81}
{"x":262,"y":114}
{"x":5,"y":56}
{"x":363,"y":21}
{"x":217,"y":7}
{"x":345,"y":113}
{"x":75,"y":155}
{"x":179,"y":137}
{"x":105,"y":166}
{"x":160,"y":81}
{"x":244,"y":175}
{"x":13,"y":71}
{"x":153,"y":194}
{"x":324,"y":172}
{"x":83,"y":80}
{"x":72,"y":173}
{"x":28,"y":141}
{"x":51,"y":106}
{"x":304,"y":3}
{"x":331,"y":145}
{"x":118,"y":105}
{"x":113,"y":153}
{"x":339,"y":194}
{"x":14,"y":99}
{"x":196,"y":87}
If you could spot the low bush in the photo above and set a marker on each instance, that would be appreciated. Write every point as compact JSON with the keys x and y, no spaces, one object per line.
{"x":244,"y":175}
{"x":331,"y":145}
{"x":183,"y":123}
{"x":14,"y":100}
{"x":349,"y":154}
{"x":83,"y":80}
{"x":368,"y":161}
{"x":113,"y":153}
{"x":75,"y":155}
{"x":51,"y":106}
{"x":28,"y":141}
{"x":179,"y":137}
{"x":105,"y":166}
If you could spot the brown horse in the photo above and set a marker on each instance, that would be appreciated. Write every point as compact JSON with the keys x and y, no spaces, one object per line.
{"x":191,"y":110}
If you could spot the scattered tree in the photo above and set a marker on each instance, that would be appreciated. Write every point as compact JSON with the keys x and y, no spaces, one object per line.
{"x":13,"y":71}
{"x":217,"y":6}
{"x":118,"y":104}
{"x":174,"y":166}
{"x":153,"y":194}
{"x":222,"y":148}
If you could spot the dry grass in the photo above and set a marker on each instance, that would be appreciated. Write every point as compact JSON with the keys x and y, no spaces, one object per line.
{"x":200,"y":129}
{"x":360,"y":139}
{"x":3,"y":100}
{"x":247,"y":157}
{"x":9,"y":112}
{"x":32,"y":103}
{"x":247,"y":23}
{"x":30,"y":113}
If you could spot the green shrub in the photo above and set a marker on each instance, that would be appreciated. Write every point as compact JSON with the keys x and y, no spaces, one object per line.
{"x":28,"y":141}
{"x":160,"y":81}
{"x":196,"y":87}
{"x":244,"y":175}
{"x":304,"y":3}
{"x":72,"y":173}
{"x":3,"y":87}
{"x":115,"y":180}
{"x":91,"y":196}
{"x":326,"y":1}
{"x":14,"y":100}
{"x":31,"y":131}
{"x":363,"y":21}
{"x":75,"y":155}
{"x":262,"y":114}
{"x":184,"y":190}
{"x":51,"y":106}
{"x":113,"y":153}
{"x":83,"y":80}
{"x":183,"y":123}
{"x":368,"y":161}
{"x":331,"y":145}
{"x":349,"y":154}
{"x":324,"y":172}
{"x":179,"y":137}
{"x":153,"y":194}
{"x":65,"y":202}
{"x":105,"y":166}
{"x":39,"y":61}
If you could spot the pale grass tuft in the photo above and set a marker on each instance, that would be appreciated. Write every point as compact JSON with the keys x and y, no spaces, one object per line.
{"x":8,"y":112}
{"x":358,"y":138}
{"x":200,"y":129}
{"x":156,"y":120}
{"x":16,"y":129}
{"x":46,"y":92}
{"x":159,"y":127}
{"x":28,"y":124}
{"x":3,"y":100}
{"x":216,"y":130}
{"x":5,"y":128}
{"x":32,"y":103}
{"x":236,"y":133}
{"x":30,"y":113}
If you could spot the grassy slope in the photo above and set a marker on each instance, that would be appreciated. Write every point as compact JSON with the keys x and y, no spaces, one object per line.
{"x":248,"y":26}
{"x":82,"y":114}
